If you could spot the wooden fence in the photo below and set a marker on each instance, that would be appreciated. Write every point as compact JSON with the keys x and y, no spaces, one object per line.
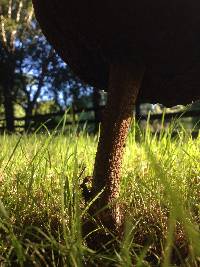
{"x":50,"y":119}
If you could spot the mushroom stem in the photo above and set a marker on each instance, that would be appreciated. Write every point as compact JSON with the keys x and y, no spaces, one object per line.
{"x":124,"y":84}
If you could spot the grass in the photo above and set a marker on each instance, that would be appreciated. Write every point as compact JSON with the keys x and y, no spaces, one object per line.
{"x":42,"y":211}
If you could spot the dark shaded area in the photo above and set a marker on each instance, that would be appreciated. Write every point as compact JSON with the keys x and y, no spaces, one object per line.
{"x":162,"y":35}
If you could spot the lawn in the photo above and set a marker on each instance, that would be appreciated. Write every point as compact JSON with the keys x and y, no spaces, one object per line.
{"x":42,"y":211}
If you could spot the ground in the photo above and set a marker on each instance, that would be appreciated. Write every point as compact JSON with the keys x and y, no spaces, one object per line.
{"x":43,"y":213}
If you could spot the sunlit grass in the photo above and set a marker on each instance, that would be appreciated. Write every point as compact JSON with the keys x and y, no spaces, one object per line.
{"x":42,"y":210}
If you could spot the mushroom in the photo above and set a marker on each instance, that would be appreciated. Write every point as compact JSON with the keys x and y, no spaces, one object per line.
{"x":144,"y":50}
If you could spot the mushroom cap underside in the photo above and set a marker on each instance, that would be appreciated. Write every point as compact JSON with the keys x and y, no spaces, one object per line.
{"x":162,"y":35}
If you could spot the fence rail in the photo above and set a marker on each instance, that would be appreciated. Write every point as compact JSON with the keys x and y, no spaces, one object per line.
{"x":42,"y":118}
{"x":171,"y":115}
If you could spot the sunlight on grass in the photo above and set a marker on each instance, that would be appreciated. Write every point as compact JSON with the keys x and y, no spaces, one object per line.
{"x":42,"y":210}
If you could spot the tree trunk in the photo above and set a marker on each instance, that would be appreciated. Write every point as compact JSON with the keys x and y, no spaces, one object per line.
{"x":7,"y":81}
{"x":124,"y":83}
{"x":29,"y":113}
{"x":9,"y":109}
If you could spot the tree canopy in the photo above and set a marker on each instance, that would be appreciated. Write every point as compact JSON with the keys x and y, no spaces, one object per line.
{"x":30,"y":69}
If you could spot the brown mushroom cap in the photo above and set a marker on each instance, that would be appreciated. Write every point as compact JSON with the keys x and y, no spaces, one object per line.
{"x":164,"y":35}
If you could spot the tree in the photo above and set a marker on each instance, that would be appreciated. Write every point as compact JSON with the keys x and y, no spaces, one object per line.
{"x":30,"y":68}
{"x":15,"y":21}
{"x":33,"y":71}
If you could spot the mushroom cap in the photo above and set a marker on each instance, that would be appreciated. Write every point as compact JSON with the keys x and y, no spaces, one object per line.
{"x":164,"y":35}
